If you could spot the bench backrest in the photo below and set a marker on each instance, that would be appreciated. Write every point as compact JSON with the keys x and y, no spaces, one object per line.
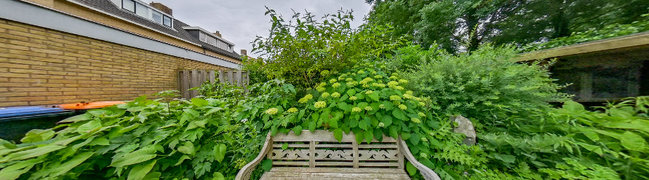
{"x":321,"y":149}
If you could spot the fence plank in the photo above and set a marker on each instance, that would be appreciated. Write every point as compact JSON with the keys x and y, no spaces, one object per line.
{"x":188,"y":79}
{"x":211,"y":74}
{"x":221,"y":76}
{"x":185,"y":84}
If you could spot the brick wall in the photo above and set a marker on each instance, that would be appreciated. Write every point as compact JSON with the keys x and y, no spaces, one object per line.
{"x":39,"y":66}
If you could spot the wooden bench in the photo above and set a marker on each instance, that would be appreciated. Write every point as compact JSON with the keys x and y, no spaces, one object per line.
{"x":318,"y":155}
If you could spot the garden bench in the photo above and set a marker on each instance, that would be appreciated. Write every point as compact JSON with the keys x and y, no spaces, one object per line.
{"x":318,"y":155}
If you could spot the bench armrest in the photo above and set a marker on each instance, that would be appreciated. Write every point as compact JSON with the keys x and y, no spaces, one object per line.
{"x":425,"y":171}
{"x":244,"y":173}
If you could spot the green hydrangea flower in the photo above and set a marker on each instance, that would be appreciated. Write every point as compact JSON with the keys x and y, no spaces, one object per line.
{"x":335,"y":95}
{"x":325,"y":95}
{"x":320,"y":89}
{"x":422,"y":104}
{"x":408,"y":96}
{"x":292,"y":110}
{"x":335,"y":85}
{"x":356,"y":109}
{"x":421,"y":114}
{"x":381,"y":124}
{"x":324,"y":72}
{"x":403,"y":81}
{"x":305,"y":98}
{"x":320,"y":104}
{"x":415,"y":120}
{"x":378,"y":77}
{"x":349,"y":79}
{"x":410,"y":92}
{"x":353,"y":98}
{"x":369,"y":92}
{"x":403,"y":107}
{"x":368,"y":108}
{"x":395,"y":98}
{"x":381,"y":106}
{"x":271,"y":111}
{"x":393,"y":83}
{"x":332,"y":80}
{"x":381,"y":85}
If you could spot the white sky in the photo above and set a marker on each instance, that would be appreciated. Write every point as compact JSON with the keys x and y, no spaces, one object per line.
{"x":240,"y":21}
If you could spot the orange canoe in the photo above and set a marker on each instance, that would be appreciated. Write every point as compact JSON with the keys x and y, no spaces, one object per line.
{"x":90,"y":105}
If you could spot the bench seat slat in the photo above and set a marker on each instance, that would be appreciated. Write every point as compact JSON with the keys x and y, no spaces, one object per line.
{"x":334,"y":173}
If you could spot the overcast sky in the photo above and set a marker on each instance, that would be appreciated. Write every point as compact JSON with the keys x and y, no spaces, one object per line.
{"x":240,"y":21}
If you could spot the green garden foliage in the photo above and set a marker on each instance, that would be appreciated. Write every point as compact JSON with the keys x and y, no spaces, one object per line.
{"x":303,"y":49}
{"x":486,"y":86}
{"x":148,"y":139}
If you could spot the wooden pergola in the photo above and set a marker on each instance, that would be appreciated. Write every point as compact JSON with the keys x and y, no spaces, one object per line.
{"x":601,"y":70}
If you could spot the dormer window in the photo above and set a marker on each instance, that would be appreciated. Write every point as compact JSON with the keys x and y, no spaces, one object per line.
{"x":145,"y":11}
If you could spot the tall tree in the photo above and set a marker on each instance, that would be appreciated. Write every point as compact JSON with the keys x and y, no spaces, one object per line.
{"x":462,"y":25}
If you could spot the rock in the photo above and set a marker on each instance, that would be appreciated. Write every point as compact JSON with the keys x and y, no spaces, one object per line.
{"x":464,"y":126}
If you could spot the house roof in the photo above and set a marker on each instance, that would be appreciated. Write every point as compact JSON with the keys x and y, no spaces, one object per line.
{"x":622,"y":43}
{"x":178,"y":31}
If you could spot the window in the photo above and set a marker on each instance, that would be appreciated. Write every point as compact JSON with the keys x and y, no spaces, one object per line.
{"x":142,"y":10}
{"x":128,"y":5}
{"x":166,"y":20}
{"x":156,"y":16}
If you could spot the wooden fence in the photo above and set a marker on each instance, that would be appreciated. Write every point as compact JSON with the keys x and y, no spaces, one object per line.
{"x":188,"y":79}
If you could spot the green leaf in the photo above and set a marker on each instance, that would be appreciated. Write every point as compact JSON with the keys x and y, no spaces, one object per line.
{"x":266,"y":164}
{"x":89,"y":126}
{"x":387,"y":120}
{"x":220,"y":151}
{"x":397,"y":113}
{"x":141,"y":155}
{"x":26,"y":154}
{"x":364,"y":124}
{"x":633,"y":141}
{"x":199,"y":102}
{"x":573,"y":106}
{"x":374,"y":96}
{"x":77,"y":118}
{"x":187,"y":148}
{"x":393,"y":132}
{"x":14,"y":171}
{"x":37,"y":135}
{"x":504,"y":157}
{"x":218,"y":176}
{"x":297,"y":130}
{"x":412,"y":170}
{"x":284,"y":146}
{"x":338,"y":134}
{"x":140,"y":171}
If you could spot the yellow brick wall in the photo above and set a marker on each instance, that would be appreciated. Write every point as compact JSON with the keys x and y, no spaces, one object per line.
{"x":39,"y":66}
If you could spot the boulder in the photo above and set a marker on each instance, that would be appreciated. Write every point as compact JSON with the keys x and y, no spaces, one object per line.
{"x":464,"y":126}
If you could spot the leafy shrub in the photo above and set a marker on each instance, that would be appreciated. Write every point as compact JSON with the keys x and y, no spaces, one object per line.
{"x":409,"y":57}
{"x":486,"y":86}
{"x":574,"y":143}
{"x":302,"y":50}
{"x":144,"y":139}
{"x":138,"y":140}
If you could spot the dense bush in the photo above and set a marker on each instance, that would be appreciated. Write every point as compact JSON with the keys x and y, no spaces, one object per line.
{"x":486,"y":86}
{"x":302,"y":50}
